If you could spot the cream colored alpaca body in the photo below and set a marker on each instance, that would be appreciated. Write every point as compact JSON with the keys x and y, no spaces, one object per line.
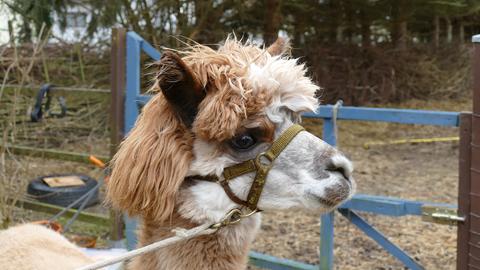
{"x":34,"y":247}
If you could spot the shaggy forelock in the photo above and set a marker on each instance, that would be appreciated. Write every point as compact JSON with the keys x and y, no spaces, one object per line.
{"x":242,"y":80}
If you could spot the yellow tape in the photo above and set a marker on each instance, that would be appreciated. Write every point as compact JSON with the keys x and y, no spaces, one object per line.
{"x":405,"y":141}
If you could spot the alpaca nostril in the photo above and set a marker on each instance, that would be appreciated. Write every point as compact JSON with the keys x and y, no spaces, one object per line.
{"x":340,"y":164}
{"x":340,"y":170}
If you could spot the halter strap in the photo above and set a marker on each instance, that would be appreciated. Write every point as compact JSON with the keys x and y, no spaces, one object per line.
{"x":262,"y":164}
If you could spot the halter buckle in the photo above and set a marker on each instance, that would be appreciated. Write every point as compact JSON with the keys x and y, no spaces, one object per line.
{"x":232,"y":217}
{"x":263,"y":162}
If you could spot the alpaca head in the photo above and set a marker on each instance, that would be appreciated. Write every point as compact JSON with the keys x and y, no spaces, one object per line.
{"x":216,"y":108}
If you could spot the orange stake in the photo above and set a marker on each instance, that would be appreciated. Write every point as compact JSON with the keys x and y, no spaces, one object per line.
{"x":97,"y":162}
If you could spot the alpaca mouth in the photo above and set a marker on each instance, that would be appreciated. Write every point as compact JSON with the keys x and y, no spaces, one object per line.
{"x":327,"y":202}
{"x":333,"y":201}
{"x":335,"y":195}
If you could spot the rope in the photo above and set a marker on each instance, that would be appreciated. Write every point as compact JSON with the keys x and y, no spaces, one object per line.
{"x":86,"y":197}
{"x":81,"y":208}
{"x":71,"y":205}
{"x":334,"y":117}
{"x":180,"y":235}
{"x":232,"y":217}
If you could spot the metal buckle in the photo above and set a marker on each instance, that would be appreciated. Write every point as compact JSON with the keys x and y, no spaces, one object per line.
{"x":232,"y":217}
{"x":262,"y":161}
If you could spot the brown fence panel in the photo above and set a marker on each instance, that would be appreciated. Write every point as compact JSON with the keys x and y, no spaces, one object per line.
{"x":464,"y":205}
{"x":117,"y":85}
{"x":474,"y":236}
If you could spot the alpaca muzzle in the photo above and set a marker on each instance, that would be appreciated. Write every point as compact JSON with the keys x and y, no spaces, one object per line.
{"x":261,"y":165}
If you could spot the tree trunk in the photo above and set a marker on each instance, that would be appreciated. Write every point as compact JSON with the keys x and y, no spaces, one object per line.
{"x":132,"y":17}
{"x":299,"y":31}
{"x":448,"y":29}
{"x":273,"y":19}
{"x":339,"y":34}
{"x":334,"y":20}
{"x":202,"y":12}
{"x":461,"y":32}
{"x":350,"y":22}
{"x":399,"y":24}
{"x":149,"y":29}
{"x":182,"y":20}
{"x":436,"y":32}
{"x":365,"y":28}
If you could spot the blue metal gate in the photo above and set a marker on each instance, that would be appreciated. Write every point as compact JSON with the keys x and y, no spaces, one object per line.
{"x":330,"y":114}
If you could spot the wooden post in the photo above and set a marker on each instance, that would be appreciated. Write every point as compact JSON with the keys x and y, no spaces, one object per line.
{"x":117,"y":84}
{"x":474,"y":235}
{"x":464,"y":189}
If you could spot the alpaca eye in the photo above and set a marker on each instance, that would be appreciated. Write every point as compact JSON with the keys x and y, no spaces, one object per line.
{"x":243,"y":142}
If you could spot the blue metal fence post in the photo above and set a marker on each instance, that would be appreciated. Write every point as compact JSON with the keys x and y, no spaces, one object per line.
{"x":326,"y":241}
{"x":374,"y":234}
{"x":133,"y":81}
{"x":327,"y":220}
{"x":131,"y":114}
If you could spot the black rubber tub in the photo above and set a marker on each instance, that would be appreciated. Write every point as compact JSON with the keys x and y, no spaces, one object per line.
{"x":62,"y":196}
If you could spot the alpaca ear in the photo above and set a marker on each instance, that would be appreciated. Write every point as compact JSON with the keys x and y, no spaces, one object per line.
{"x":151,"y":163}
{"x":281,"y":46}
{"x":180,"y":87}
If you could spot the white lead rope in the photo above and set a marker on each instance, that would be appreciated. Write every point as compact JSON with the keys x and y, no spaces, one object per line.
{"x":180,"y":235}
{"x":335,"y":108}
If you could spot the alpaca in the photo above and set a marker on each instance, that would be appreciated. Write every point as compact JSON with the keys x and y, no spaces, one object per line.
{"x":210,"y":111}
{"x":31,"y":247}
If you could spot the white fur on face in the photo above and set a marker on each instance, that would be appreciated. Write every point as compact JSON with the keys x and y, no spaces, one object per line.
{"x":301,"y":176}
{"x":299,"y":179}
{"x":287,"y":81}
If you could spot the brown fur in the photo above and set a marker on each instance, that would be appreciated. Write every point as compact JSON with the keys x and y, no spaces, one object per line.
{"x":180,"y":87}
{"x":263,"y":128}
{"x":152,"y":161}
{"x":279,"y":47}
{"x":229,"y":99}
{"x":214,"y":252}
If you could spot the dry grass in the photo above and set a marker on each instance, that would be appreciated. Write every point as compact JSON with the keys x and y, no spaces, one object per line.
{"x":421,"y":172}
{"x":425,"y":172}
{"x":12,"y":185}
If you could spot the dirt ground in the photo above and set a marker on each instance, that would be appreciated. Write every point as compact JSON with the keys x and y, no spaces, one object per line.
{"x":426,"y":172}
{"x":421,"y":172}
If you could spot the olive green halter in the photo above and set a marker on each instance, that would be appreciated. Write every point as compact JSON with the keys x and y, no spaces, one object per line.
{"x":261,"y":165}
